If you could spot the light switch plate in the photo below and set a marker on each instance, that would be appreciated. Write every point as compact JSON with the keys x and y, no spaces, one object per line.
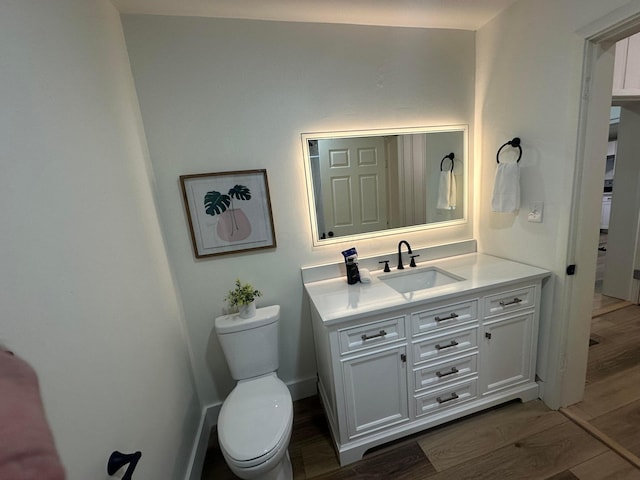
{"x":535,"y":214}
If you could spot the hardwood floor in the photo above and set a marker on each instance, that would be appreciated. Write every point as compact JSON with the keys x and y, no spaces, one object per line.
{"x":603,"y":304}
{"x":512,"y":441}
{"x":611,"y":402}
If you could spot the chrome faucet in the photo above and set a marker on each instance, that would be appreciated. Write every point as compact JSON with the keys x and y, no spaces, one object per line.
{"x":400,"y":265}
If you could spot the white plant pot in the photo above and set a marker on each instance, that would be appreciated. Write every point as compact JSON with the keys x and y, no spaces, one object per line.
{"x":248,"y":310}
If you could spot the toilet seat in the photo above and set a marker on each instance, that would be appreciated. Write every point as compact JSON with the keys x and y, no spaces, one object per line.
{"x":255,"y":421}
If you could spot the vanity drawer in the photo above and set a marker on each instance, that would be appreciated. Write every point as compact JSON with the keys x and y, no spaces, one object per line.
{"x":449,"y":343}
{"x":448,"y":397}
{"x":441,"y":373}
{"x":371,"y":335}
{"x":447,"y":316}
{"x":510,"y":301}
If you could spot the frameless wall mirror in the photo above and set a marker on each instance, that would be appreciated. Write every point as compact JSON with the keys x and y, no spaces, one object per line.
{"x":368,"y":183}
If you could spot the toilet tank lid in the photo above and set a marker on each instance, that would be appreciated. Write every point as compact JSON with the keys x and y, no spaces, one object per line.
{"x":234,"y":323}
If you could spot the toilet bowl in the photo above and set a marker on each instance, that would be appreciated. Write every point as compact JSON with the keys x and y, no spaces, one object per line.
{"x":255,"y":421}
{"x":254,"y":428}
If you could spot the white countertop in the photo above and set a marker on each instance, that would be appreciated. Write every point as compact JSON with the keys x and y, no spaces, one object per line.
{"x":336,"y":301}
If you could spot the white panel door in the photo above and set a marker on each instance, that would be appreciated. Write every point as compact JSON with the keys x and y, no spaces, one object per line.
{"x":354,"y":186}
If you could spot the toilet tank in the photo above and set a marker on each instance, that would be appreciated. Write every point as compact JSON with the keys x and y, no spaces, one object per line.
{"x":250,"y":345}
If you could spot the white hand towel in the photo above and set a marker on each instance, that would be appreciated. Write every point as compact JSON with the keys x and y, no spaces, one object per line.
{"x":446,"y":191}
{"x":506,"y":190}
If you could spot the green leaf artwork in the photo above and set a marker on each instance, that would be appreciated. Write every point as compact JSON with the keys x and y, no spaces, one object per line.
{"x":240,"y":192}
{"x":216,"y":203}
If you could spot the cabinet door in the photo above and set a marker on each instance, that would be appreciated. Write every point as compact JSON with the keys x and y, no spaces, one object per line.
{"x":376,"y":390}
{"x":506,"y":352}
{"x":626,"y":71}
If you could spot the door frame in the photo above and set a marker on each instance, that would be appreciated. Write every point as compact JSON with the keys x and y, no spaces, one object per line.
{"x":595,"y":102}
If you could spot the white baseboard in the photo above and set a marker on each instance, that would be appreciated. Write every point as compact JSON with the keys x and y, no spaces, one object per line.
{"x":299,"y":390}
{"x":201,"y":443}
{"x":303,"y":388}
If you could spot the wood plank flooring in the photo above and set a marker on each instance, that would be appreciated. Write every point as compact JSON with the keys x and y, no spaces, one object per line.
{"x":607,"y":466}
{"x":618,"y":348}
{"x":513,"y":441}
{"x":603,"y":304}
{"x":612,"y":396}
{"x":451,"y":445}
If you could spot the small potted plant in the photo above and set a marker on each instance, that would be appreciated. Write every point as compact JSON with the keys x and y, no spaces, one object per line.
{"x":243,"y":297}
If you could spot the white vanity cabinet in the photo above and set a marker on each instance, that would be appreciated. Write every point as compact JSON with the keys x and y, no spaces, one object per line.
{"x":384,"y":375}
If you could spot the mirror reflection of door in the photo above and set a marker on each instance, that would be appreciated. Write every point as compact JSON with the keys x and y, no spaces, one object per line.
{"x":353,"y":185}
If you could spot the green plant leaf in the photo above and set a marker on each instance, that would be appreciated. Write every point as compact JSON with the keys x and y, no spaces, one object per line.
{"x":243,"y":294}
{"x":215,"y":202}
{"x":240,"y":192}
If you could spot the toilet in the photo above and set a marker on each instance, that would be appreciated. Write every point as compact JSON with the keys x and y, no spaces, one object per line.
{"x":254,"y":425}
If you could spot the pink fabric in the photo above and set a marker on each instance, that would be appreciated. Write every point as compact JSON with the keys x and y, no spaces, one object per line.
{"x":27,"y":450}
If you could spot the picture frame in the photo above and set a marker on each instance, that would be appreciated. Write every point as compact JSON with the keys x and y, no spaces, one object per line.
{"x":228,"y":212}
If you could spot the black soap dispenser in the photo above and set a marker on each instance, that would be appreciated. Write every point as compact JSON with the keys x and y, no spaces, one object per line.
{"x":351,"y":262}
{"x":353,"y":274}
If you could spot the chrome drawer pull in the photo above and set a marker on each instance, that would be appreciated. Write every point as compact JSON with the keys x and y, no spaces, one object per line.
{"x":512,"y":302}
{"x":453,"y":371}
{"x":442,"y":347}
{"x":453,"y":396}
{"x":382,"y":333}
{"x":450,"y":317}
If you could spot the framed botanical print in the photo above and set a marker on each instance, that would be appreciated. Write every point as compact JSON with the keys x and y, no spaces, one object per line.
{"x":228,"y":212}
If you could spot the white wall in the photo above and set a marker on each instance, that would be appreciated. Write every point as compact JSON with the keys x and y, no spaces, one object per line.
{"x":529,"y":80}
{"x":219,"y":95}
{"x":86,"y":294}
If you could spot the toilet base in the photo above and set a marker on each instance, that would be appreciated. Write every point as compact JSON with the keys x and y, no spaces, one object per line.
{"x":282,"y":471}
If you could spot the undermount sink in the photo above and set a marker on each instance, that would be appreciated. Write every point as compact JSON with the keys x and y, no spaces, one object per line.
{"x":414,"y":279}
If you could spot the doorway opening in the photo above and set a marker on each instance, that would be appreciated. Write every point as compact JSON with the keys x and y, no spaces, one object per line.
{"x":609,"y":299}
{"x":616,"y":285}
{"x":614,"y":328}
{"x":600,"y":39}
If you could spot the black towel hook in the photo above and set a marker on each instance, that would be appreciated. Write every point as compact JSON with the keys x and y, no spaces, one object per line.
{"x":515,"y":143}
{"x":451,"y":156}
